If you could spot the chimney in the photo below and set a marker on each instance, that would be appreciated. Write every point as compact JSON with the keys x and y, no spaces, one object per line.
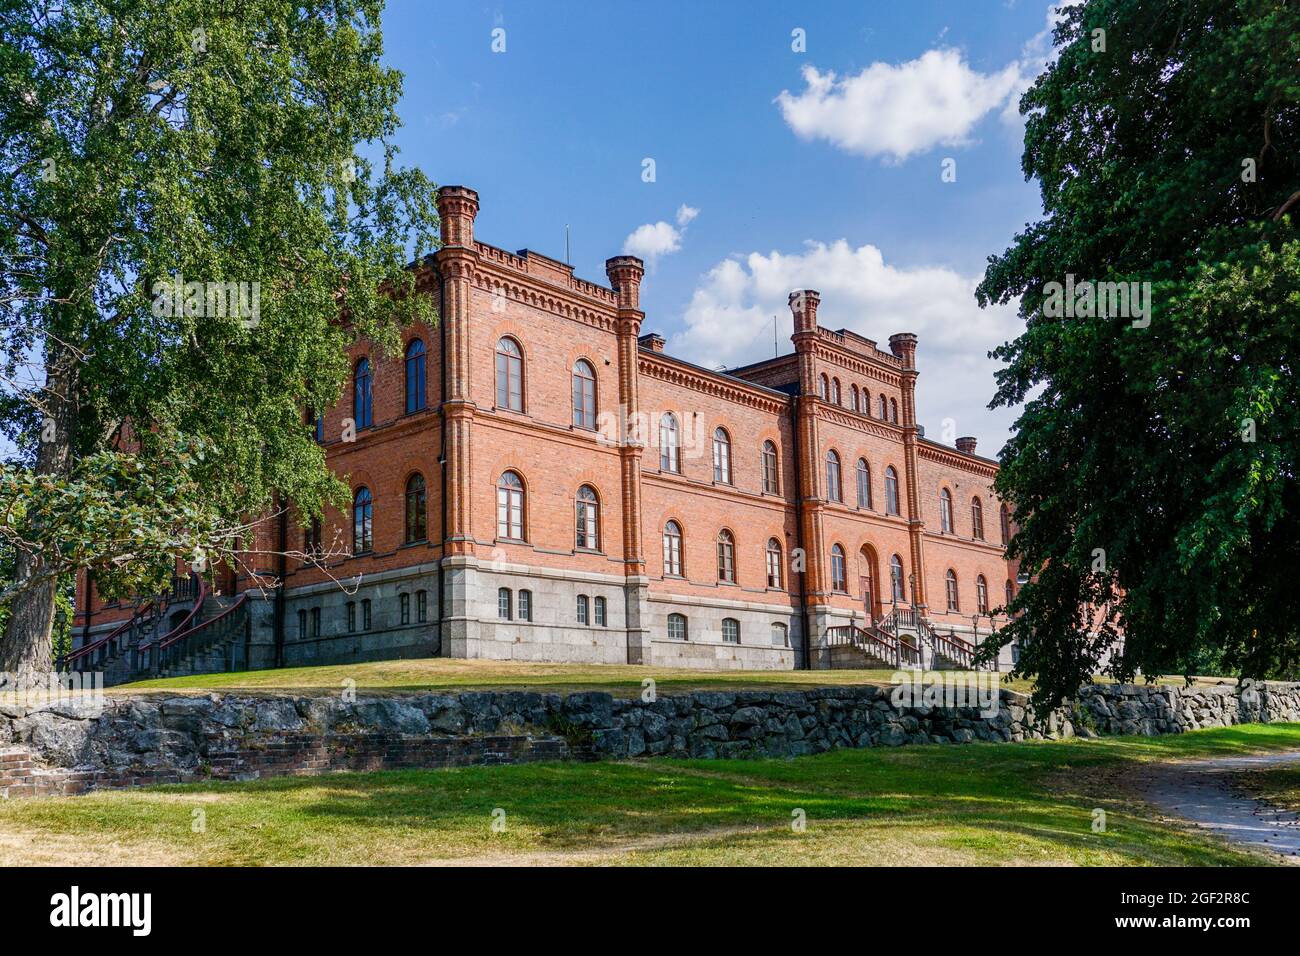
{"x":966,"y":445}
{"x":651,"y":341}
{"x":803,"y":304}
{"x":903,"y":345}
{"x":625,"y":275}
{"x":457,"y":207}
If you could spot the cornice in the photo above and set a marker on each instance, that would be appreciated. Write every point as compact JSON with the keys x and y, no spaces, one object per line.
{"x":955,"y":459}
{"x":655,"y":366}
{"x":829,"y":412}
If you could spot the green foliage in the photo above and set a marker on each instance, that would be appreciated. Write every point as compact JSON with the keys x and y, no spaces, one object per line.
{"x":1153,"y":471}
{"x":150,"y":139}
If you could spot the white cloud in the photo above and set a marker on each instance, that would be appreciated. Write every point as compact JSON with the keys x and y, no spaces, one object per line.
{"x":896,"y":111}
{"x":656,"y":239}
{"x":729,"y":321}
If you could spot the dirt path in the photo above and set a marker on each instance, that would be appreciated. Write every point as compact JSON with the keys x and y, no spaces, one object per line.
{"x":1202,"y":792}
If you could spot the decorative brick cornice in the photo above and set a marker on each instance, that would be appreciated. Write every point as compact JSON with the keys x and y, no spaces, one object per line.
{"x":657,"y":366}
{"x":882,"y":367}
{"x":955,"y":459}
{"x":829,"y":412}
{"x":530,"y":292}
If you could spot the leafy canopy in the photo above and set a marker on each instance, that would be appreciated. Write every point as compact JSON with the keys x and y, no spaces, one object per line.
{"x":142,"y":140}
{"x":1153,"y":472}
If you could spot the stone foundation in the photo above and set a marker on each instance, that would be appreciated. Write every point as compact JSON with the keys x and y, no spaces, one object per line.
{"x":73,"y":747}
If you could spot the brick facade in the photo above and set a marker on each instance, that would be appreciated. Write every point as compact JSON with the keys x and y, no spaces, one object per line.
{"x":462,"y":441}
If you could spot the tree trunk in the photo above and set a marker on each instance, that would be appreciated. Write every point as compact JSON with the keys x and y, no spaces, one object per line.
{"x":27,"y":648}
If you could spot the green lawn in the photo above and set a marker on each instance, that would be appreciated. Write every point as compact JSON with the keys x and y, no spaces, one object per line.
{"x":976,"y":804}
{"x":442,"y":673}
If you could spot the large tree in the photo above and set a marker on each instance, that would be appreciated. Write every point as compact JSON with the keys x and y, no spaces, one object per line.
{"x":146,"y":142}
{"x":1153,"y":470}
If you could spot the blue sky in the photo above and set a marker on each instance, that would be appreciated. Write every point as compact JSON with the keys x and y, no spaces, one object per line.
{"x":774,"y":168}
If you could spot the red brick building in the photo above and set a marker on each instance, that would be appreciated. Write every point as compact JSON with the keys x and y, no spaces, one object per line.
{"x":535,"y":478}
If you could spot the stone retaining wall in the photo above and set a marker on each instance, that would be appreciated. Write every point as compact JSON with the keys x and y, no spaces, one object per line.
{"x":71,"y":747}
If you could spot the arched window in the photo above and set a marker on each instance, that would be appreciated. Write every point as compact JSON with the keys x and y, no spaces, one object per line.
{"x":584,"y":609}
{"x":363,"y":520}
{"x":771,"y":476}
{"x":775,"y":572}
{"x":866,"y":403}
{"x":311,"y":538}
{"x":896,"y":578}
{"x":945,"y":511}
{"x":726,"y":557}
{"x":415,"y":509}
{"x":670,"y":454}
{"x":839,"y":576}
{"x":598,"y":606}
{"x":1004,"y":516}
{"x":835,"y":391}
{"x":981,"y":595}
{"x":503,"y":604}
{"x":362,"y":395}
{"x":884,"y":409}
{"x":891,"y":491}
{"x":977,"y":519}
{"x":823,"y":387}
{"x":673,"y":548}
{"x":950,"y":583}
{"x":677,"y":630}
{"x":587,"y":519}
{"x":510,"y":507}
{"x":510,"y":375}
{"x":1009,"y":594}
{"x":833,"y":491}
{"x":415,"y":376}
{"x":730,"y":630}
{"x":584,"y":395}
{"x":893,"y":410}
{"x":864,"y":484}
{"x":721,"y":456}
{"x":853,"y":398}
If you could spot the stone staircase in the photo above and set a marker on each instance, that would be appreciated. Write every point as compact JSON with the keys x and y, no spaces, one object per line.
{"x":901,"y":640}
{"x":185,"y":630}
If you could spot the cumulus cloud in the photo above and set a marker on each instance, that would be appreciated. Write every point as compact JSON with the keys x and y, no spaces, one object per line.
{"x":656,"y":239}
{"x":894,"y":112}
{"x":729,"y":322}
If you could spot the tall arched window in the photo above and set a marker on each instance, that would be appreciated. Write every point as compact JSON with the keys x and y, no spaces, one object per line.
{"x":977,"y":519}
{"x":981,"y":595}
{"x":1008,"y":593}
{"x":415,"y":509}
{"x":893,"y":410}
{"x":891,"y":491}
{"x":896,"y":578}
{"x":884,"y":409}
{"x":415,"y":376}
{"x":833,"y":490}
{"x":950,"y":583}
{"x":771,"y":476}
{"x":1004,"y":516}
{"x":726,"y":557}
{"x":945,"y":511}
{"x":584,"y":395}
{"x":864,"y":484}
{"x":677,"y":627}
{"x":510,"y":375}
{"x":854,"y":398}
{"x":775,"y":572}
{"x":362,"y":395}
{"x":670,"y":453}
{"x":823,"y":387}
{"x":673,"y":548}
{"x":587,"y":519}
{"x":510,"y":507}
{"x":839,"y":574}
{"x":721,"y":456}
{"x":835,"y":391}
{"x":363,"y":521}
